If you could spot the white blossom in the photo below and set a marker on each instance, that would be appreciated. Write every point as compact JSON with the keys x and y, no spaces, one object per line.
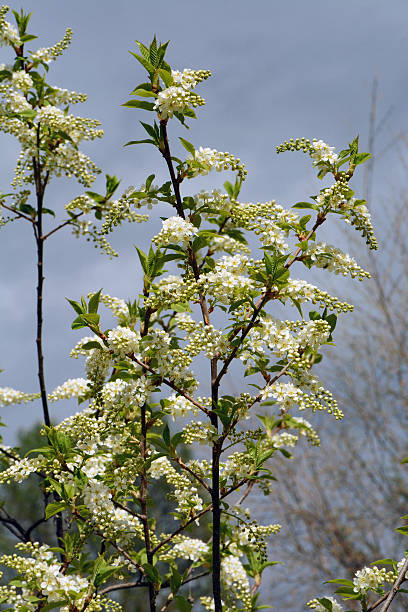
{"x":175,"y":230}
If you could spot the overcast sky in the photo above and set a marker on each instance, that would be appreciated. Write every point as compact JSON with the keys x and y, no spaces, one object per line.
{"x":280,"y":69}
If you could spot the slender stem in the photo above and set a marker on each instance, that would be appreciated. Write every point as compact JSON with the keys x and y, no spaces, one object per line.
{"x":215,"y":495}
{"x":217,"y":446}
{"x":40,"y":281}
{"x":143,"y":504}
{"x":40,"y":185}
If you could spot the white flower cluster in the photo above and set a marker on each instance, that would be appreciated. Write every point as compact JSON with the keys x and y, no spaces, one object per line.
{"x":110,"y":519}
{"x":305,"y":429}
{"x":272,"y":235}
{"x":129,"y":395}
{"x":204,"y":338}
{"x":190,"y":548}
{"x":334,"y":197}
{"x":359,"y":216}
{"x":247,"y":536}
{"x":196,"y":431}
{"x":302,"y":291}
{"x":237,"y":466}
{"x":227,"y":281}
{"x":206,"y":159}
{"x":98,"y":363}
{"x":235,"y":579}
{"x":78,"y":128}
{"x":42,"y":569}
{"x":286,"y":394}
{"x":123,"y":341}
{"x":171,"y":362}
{"x":188,"y":79}
{"x":21,"y":80}
{"x":284,"y":439}
{"x":178,"y":97}
{"x":48,"y":54}
{"x":173,"y":289}
{"x":321,"y":151}
{"x":116,"y":305}
{"x":21,"y":469}
{"x":175,"y":99}
{"x":179,"y":406}
{"x":63,"y":96}
{"x":74,"y":387}
{"x":314,"y":334}
{"x":188,"y":501}
{"x":173,"y":231}
{"x":275,"y":335}
{"x":8,"y":33}
{"x":228,"y":244}
{"x":333,"y":259}
{"x":9,"y":396}
{"x":369,"y":578}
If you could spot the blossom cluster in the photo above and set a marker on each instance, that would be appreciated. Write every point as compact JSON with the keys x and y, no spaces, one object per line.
{"x":206,"y":159}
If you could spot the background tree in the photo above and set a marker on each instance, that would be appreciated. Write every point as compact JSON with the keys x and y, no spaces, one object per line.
{"x":340,"y":506}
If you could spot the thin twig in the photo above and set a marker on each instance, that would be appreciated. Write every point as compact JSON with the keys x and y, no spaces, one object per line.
{"x":394,"y":589}
{"x":17,"y":212}
{"x":68,"y":222}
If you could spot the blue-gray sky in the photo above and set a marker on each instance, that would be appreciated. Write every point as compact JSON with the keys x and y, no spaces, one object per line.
{"x":280,"y":69}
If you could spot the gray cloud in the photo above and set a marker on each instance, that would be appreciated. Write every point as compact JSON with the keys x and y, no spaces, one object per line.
{"x":280,"y":69}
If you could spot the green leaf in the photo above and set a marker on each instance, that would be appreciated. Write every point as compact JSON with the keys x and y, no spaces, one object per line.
{"x":153,"y":52}
{"x":152,"y":130}
{"x":332,"y":320}
{"x":139,"y":104}
{"x":103,"y":574}
{"x":54,"y":605}
{"x":97,"y":197}
{"x":27,"y":209}
{"x":326,"y":603}
{"x":143,"y":93}
{"x":152,"y":574}
{"x":94,"y":302}
{"x":188,"y":146}
{"x":142,"y":258}
{"x":48,"y":211}
{"x":166,"y":77}
{"x":305,"y":205}
{"x":304,"y":221}
{"x":144,"y":61}
{"x":383,"y":562}
{"x":143,"y":50}
{"x":54,"y":508}
{"x":149,"y":181}
{"x":166,"y":435}
{"x":360,"y":158}
{"x":188,"y":112}
{"x":135,"y":142}
{"x":91,"y":318}
{"x":183,"y":605}
{"x":78,"y":323}
{"x":77,"y":307}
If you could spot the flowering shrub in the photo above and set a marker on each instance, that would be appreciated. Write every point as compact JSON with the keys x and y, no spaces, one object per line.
{"x":142,"y":410}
